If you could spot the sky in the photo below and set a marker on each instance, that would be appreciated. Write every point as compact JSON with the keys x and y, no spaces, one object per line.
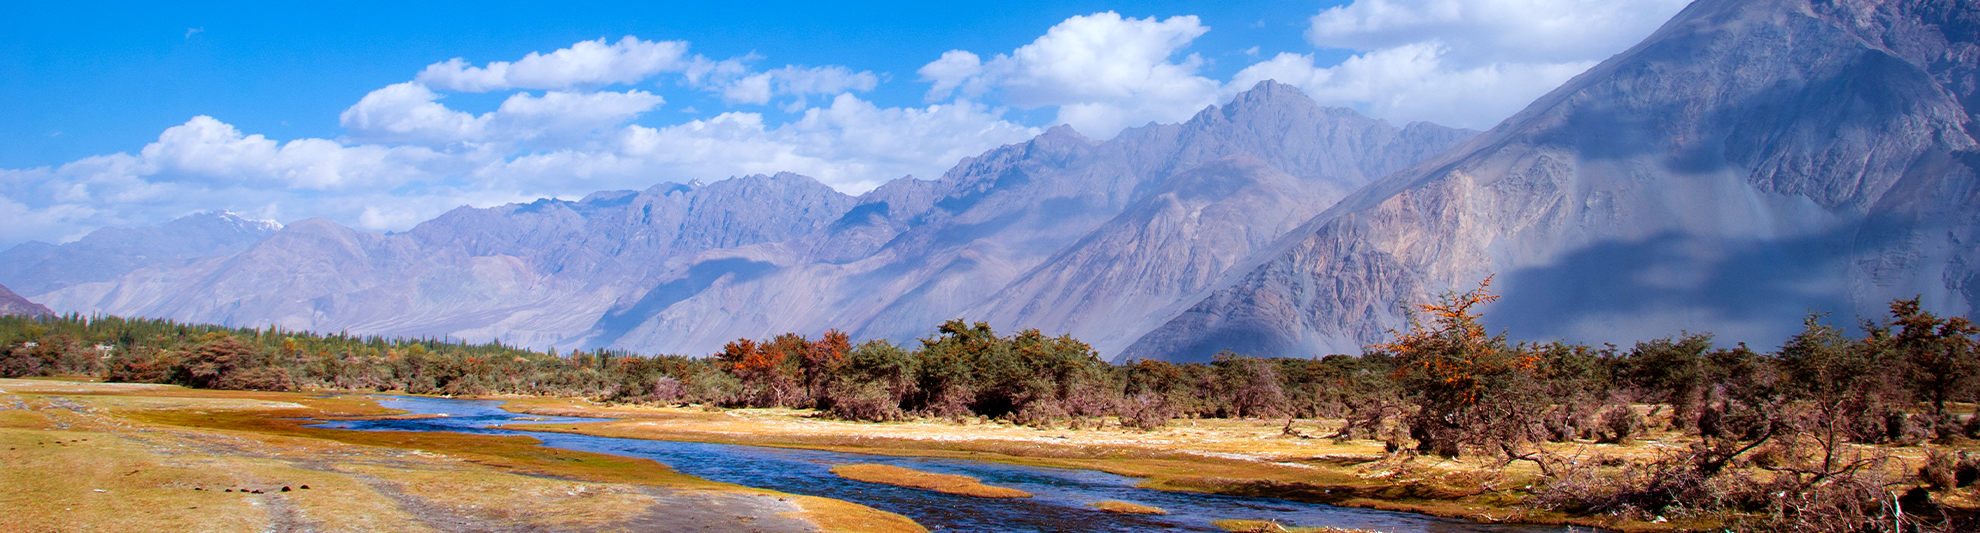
{"x":381,"y":115}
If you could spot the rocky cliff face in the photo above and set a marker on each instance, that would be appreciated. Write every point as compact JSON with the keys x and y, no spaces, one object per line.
{"x":1059,"y":233}
{"x":1748,"y":163}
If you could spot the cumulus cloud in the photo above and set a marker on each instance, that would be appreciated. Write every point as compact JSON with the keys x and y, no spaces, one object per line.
{"x":587,"y":64}
{"x":567,"y":126}
{"x":207,"y":164}
{"x":1480,"y":32}
{"x":1468,"y":63}
{"x":1104,"y":72}
{"x":853,"y":145}
{"x":1417,"y":82}
{"x":759,"y":88}
{"x":406,"y":156}
{"x":408,"y":113}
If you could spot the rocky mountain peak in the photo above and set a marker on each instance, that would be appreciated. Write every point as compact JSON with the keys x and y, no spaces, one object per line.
{"x":1749,"y":162}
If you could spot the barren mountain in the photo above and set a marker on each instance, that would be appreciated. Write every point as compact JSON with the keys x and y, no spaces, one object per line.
{"x":14,"y":304}
{"x":913,"y":254}
{"x":1751,"y":161}
{"x":102,"y":255}
{"x":1134,"y":222}
{"x":532,"y":274}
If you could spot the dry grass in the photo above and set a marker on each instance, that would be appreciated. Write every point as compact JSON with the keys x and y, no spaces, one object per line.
{"x":944,"y":483}
{"x":114,"y":457}
{"x":1266,"y":526}
{"x":1117,"y":506}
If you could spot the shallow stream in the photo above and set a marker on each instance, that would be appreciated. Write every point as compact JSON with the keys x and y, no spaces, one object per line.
{"x":1060,"y":501}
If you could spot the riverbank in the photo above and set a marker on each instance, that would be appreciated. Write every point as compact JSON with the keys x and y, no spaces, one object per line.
{"x":1233,"y":457}
{"x":124,"y":456}
{"x":79,"y":456}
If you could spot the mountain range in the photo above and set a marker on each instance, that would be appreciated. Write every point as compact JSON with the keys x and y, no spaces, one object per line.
{"x":1750,"y":162}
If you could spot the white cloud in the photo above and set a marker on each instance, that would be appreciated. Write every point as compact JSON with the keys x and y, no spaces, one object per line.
{"x":955,"y":68}
{"x":206,"y":164}
{"x":1467,"y":63}
{"x":409,"y":113}
{"x":587,"y":64}
{"x":1104,"y":72}
{"x":406,"y":156}
{"x":562,"y":118}
{"x":209,"y":151}
{"x":1416,"y":82}
{"x":852,"y":145}
{"x":759,"y":88}
{"x":1481,"y":32}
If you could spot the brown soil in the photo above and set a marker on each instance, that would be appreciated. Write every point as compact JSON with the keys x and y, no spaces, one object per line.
{"x":944,"y":483}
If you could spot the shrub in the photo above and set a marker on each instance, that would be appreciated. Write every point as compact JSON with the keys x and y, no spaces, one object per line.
{"x":1145,"y":411}
{"x":863,"y":401}
{"x":1621,"y":424}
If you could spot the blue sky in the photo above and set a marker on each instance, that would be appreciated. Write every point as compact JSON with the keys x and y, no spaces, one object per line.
{"x":121,"y":115}
{"x":78,"y":80}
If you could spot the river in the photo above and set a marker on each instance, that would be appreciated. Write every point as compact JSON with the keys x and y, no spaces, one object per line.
{"x":1060,"y":501}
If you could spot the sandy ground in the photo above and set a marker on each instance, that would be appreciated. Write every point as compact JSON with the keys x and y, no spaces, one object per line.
{"x":119,"y":457}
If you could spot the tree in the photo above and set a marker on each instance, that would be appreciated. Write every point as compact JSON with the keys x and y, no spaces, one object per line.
{"x":1250,"y":385}
{"x":947,"y":376}
{"x":1471,"y":389}
{"x":872,"y":383}
{"x":821,"y":360}
{"x":1672,"y":372}
{"x":761,"y":370}
{"x":1940,"y":356}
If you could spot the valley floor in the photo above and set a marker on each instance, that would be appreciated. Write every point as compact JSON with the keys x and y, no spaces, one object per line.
{"x":78,"y":456}
{"x":1237,"y":457}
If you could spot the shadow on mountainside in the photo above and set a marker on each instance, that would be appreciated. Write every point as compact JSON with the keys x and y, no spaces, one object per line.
{"x":617,"y":323}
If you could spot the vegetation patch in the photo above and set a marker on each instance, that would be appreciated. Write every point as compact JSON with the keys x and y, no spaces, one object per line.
{"x":1117,"y":506}
{"x":944,"y":483}
{"x":1267,"y":526}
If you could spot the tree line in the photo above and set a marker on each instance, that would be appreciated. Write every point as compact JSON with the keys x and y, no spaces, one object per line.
{"x":1791,"y":422}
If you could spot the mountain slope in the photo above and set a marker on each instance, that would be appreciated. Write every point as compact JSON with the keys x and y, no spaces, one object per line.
{"x":102,"y":255}
{"x":533,"y":274}
{"x":1166,"y":246}
{"x":686,"y":268}
{"x":1749,"y":162}
{"x":14,"y":304}
{"x":912,"y":255}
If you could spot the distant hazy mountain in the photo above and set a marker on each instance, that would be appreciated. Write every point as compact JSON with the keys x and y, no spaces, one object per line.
{"x":913,"y":253}
{"x":39,"y":267}
{"x":14,"y":304}
{"x":1060,"y":233}
{"x":1751,"y":161}
{"x":532,"y":274}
